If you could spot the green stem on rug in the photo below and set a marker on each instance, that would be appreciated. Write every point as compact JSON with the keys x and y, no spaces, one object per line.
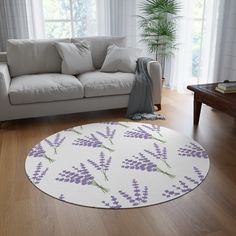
{"x":105,"y":175}
{"x":105,"y":190}
{"x":77,"y":132}
{"x":160,"y":140}
{"x":166,"y":163}
{"x":48,"y":158}
{"x":126,"y":126}
{"x":110,"y":141}
{"x":109,"y":149}
{"x":165,"y":173}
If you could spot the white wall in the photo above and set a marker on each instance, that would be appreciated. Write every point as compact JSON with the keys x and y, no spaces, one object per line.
{"x":227,"y":50}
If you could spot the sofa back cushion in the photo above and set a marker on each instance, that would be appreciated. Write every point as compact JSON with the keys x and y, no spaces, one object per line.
{"x":98,"y":46}
{"x":33,"y":56}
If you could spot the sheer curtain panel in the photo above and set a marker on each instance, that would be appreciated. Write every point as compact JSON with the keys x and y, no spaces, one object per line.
{"x":117,"y":18}
{"x":13,"y":21}
{"x":35,"y":19}
{"x":210,"y":26}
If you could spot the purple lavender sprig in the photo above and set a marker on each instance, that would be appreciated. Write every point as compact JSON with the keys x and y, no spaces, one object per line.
{"x":155,"y":128}
{"x":159,"y":154}
{"x":74,"y":131}
{"x":114,"y":203}
{"x":177,"y":189}
{"x":79,"y":176}
{"x":103,"y":165}
{"x":137,"y":198}
{"x":142,"y":134}
{"x":115,"y":123}
{"x":91,"y":141}
{"x":61,"y":197}
{"x":199,"y":173}
{"x":183,"y":185}
{"x":56,"y":142}
{"x":142,"y":163}
{"x":38,"y":173}
{"x":109,"y":134}
{"x":38,"y":151}
{"x":192,"y":150}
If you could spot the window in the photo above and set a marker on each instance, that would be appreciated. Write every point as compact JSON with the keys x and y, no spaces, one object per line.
{"x":198,"y":19}
{"x":69,"y":18}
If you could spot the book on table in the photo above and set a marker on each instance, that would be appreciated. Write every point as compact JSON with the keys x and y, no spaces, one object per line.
{"x":227,"y":86}
{"x":225,"y":91}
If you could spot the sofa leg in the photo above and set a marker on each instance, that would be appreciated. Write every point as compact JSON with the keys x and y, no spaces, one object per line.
{"x":158,"y":106}
{"x":2,"y":124}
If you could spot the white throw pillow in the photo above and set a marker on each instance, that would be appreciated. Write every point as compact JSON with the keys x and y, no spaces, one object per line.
{"x":76,"y":57}
{"x":120,"y":59}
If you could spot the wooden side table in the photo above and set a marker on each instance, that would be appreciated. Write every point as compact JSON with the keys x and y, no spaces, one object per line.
{"x":206,"y":93}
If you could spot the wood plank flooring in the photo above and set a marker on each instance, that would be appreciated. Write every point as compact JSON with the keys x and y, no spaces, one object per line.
{"x":208,"y":210}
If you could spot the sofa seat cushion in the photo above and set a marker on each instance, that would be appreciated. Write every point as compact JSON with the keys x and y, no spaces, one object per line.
{"x":44,"y":88}
{"x":98,"y":83}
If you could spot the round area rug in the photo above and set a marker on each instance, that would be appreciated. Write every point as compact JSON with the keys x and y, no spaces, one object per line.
{"x":117,"y":165}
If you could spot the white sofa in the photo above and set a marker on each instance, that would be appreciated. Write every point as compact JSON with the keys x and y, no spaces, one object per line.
{"x":31,"y":83}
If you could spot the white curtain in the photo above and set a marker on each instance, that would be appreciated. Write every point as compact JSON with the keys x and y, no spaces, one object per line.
{"x":13,"y":21}
{"x":35,"y":19}
{"x":180,"y":73}
{"x":180,"y":66}
{"x":225,"y":68}
{"x":20,"y":19}
{"x":212,"y":35}
{"x":117,"y":18}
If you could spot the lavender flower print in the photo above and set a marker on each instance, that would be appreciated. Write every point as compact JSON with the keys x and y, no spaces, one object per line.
{"x":74,"y":131}
{"x":142,"y":134}
{"x":159,"y":154}
{"x":38,"y":151}
{"x":179,"y":189}
{"x":109,"y":134}
{"x":79,"y":176}
{"x":114,"y":203}
{"x":142,"y":163}
{"x":115,"y":123}
{"x":136,"y":198}
{"x":38,"y":173}
{"x":155,"y":128}
{"x":183,"y":185}
{"x":192,"y":150}
{"x":61,"y":197}
{"x":103,"y":165}
{"x":91,"y":141}
{"x":199,"y":173}
{"x":56,"y":142}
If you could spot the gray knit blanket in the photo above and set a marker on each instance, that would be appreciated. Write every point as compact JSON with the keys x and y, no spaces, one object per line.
{"x":140,"y":104}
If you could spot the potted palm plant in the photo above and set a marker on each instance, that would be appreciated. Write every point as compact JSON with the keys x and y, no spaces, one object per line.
{"x":158,"y":25}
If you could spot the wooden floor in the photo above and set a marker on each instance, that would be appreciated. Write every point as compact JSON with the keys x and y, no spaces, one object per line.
{"x":208,"y":210}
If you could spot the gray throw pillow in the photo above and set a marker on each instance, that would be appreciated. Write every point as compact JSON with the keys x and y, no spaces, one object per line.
{"x":120,"y":59}
{"x":76,"y":57}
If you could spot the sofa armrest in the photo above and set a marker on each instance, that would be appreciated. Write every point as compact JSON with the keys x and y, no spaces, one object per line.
{"x":3,"y":57}
{"x":154,"y":70}
{"x":4,"y":79}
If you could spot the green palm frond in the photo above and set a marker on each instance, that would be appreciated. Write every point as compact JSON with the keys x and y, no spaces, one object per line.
{"x":158,"y":24}
{"x":161,"y":6}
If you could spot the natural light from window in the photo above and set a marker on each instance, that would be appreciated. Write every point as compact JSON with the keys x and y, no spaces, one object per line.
{"x":69,"y":18}
{"x":75,"y":18}
{"x":198,"y":12}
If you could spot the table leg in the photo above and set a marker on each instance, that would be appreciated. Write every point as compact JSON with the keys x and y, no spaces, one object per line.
{"x":197,"y":110}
